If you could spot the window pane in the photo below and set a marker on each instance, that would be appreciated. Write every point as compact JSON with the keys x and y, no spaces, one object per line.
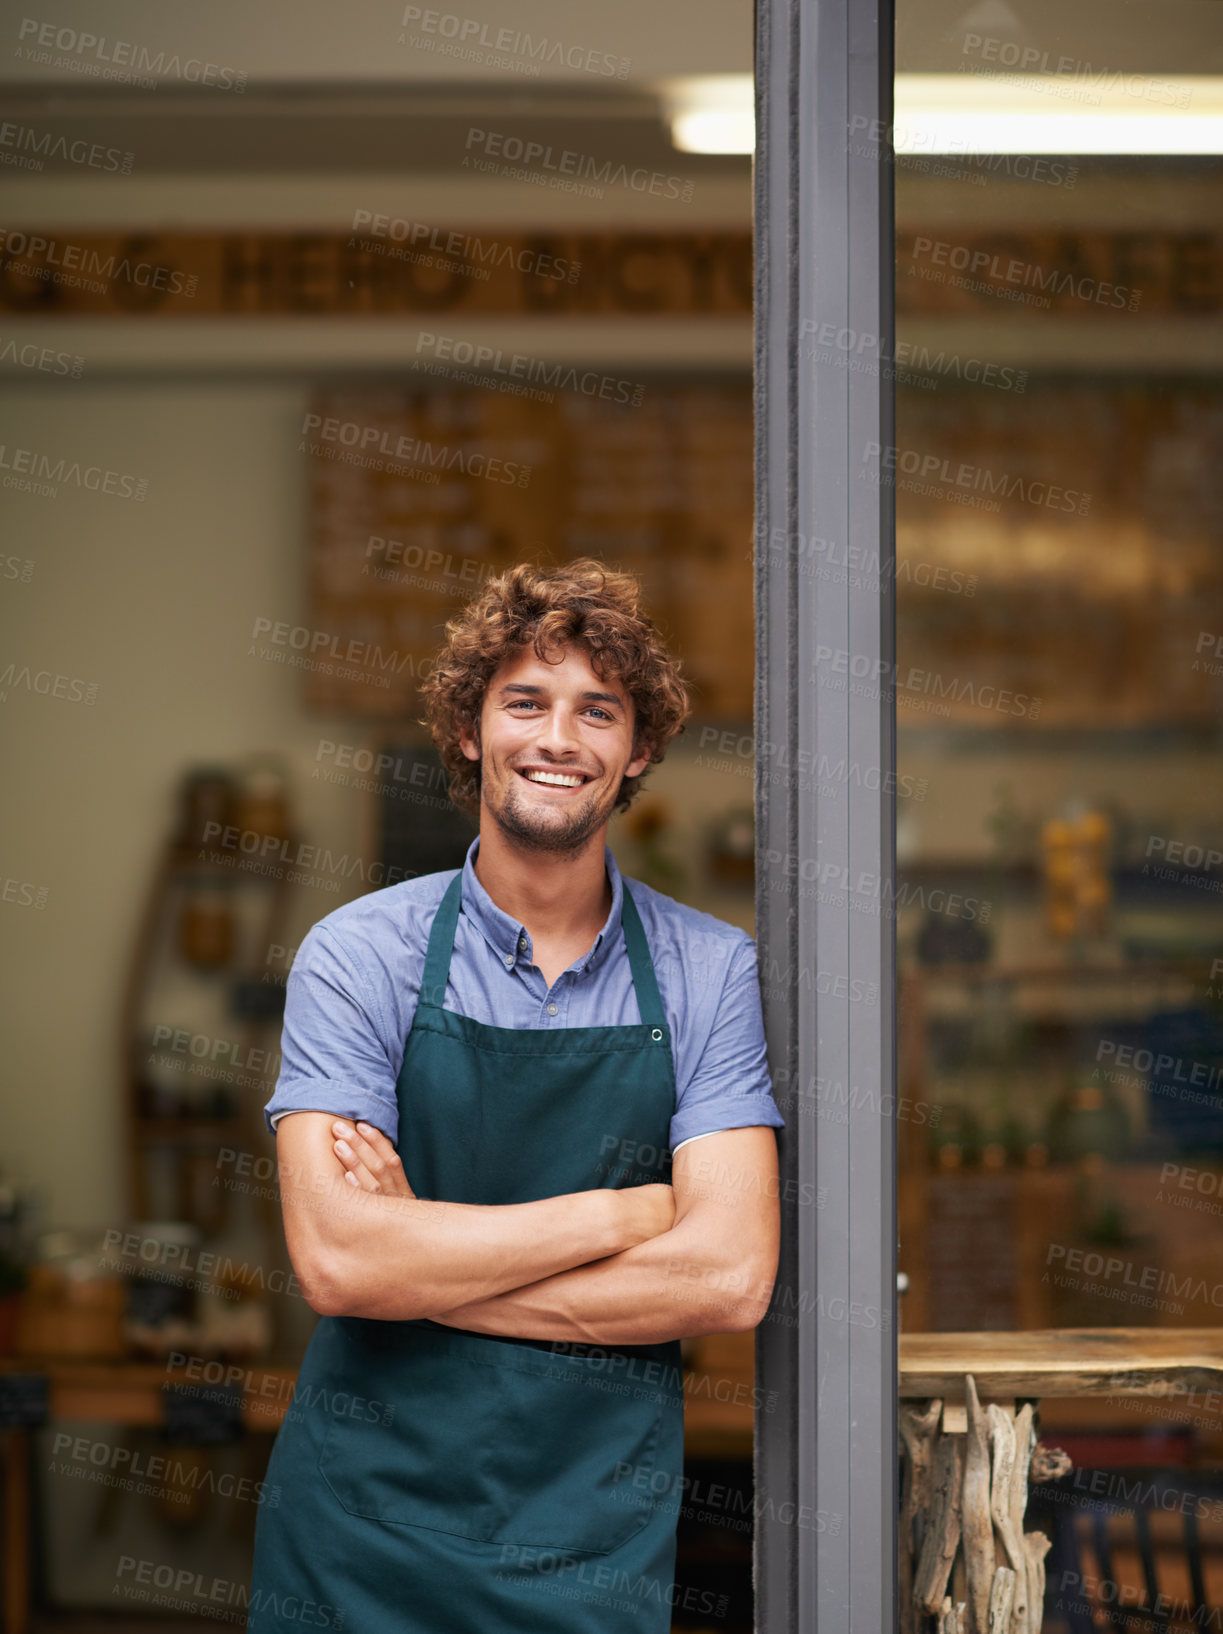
{"x":1059,"y":599}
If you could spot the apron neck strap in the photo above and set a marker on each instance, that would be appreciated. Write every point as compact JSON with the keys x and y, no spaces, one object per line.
{"x":645,"y":983}
{"x":441,"y":945}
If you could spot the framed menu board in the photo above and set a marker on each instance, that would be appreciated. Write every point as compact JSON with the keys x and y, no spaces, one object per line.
{"x":420,"y":492}
{"x":1057,"y":554}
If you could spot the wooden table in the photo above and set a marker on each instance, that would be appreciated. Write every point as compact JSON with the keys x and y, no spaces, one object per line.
{"x":1063,"y":1362}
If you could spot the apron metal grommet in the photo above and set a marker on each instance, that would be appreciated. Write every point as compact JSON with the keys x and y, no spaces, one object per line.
{"x":656,"y":1034}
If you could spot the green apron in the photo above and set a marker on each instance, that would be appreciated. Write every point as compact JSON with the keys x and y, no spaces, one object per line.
{"x":435,"y":1481}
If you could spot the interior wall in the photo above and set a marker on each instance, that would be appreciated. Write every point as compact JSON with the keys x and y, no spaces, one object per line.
{"x":152,"y":602}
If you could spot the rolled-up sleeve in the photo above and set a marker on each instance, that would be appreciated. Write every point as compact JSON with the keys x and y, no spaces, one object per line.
{"x":731,"y":1088}
{"x":334,"y":1048}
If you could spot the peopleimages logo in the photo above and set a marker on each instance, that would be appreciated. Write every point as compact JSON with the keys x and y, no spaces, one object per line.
{"x":516,"y":366}
{"x":1127,"y":1279}
{"x":25,"y":355}
{"x":862,"y":892}
{"x":69,"y":688}
{"x":988,"y":273}
{"x":33,"y":471}
{"x":76,"y":266}
{"x":459,"y":250}
{"x":855,"y":672}
{"x":872,"y":139}
{"x":861,"y":351}
{"x":121,"y":60}
{"x":417,"y":454}
{"x":567,"y":163}
{"x":836,"y":562}
{"x":153,"y":1475}
{"x":34,"y":146}
{"x":218,"y":1598}
{"x":939,"y":471}
{"x":472,"y":39}
{"x":1066,"y":78}
{"x":807,"y":763}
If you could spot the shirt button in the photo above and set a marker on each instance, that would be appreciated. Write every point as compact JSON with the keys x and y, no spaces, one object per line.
{"x":522,"y":944}
{"x":509,"y":958}
{"x":552,"y":1009}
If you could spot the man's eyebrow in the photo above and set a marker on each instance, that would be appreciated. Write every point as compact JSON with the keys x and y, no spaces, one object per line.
{"x":535,"y":691}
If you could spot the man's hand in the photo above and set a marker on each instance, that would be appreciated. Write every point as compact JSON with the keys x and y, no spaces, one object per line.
{"x":370,"y":1161}
{"x":372,"y":1164}
{"x":654,"y":1208}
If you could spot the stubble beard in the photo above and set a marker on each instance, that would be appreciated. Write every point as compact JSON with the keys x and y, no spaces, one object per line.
{"x":547,"y":837}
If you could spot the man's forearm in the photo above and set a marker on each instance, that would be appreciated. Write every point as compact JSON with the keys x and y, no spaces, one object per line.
{"x":401,"y":1258}
{"x":671,"y":1287}
{"x":378,"y":1251}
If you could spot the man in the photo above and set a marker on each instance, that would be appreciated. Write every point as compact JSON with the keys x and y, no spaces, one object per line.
{"x":525,"y":1135}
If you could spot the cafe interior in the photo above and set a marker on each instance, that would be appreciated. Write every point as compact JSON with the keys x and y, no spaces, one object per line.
{"x":310,"y":322}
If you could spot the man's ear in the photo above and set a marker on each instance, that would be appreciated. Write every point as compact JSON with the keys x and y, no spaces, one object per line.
{"x":469,"y":743}
{"x":642,"y":751}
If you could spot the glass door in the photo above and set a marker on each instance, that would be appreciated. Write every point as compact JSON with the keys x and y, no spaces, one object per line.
{"x":1058,"y":589}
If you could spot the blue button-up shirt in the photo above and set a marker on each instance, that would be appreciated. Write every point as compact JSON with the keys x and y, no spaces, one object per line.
{"x":354,"y":984}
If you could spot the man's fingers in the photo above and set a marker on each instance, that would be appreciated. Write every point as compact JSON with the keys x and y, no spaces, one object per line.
{"x":383,"y":1160}
{"x":370,"y":1158}
{"x":356,"y":1171}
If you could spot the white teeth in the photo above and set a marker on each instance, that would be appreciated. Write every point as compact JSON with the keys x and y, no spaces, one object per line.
{"x":559,"y":778}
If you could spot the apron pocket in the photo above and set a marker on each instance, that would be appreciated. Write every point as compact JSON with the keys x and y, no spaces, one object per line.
{"x":500,"y":1443}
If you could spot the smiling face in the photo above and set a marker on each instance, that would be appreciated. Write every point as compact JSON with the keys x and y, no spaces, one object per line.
{"x":555,"y":744}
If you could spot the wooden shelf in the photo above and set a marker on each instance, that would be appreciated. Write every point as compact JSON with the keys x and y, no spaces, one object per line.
{"x":1063,"y":1362}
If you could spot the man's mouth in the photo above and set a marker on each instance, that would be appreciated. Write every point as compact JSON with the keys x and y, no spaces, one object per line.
{"x":557,"y":780}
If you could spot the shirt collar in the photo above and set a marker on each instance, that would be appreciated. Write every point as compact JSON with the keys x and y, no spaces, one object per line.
{"x":503,"y":934}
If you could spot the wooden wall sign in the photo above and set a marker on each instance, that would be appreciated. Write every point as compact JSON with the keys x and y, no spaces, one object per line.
{"x":390,"y":265}
{"x":384,"y":267}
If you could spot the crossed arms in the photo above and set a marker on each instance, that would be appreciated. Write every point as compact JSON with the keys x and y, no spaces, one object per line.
{"x":631,"y":1266}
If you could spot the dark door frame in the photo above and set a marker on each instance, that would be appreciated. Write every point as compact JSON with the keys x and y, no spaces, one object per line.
{"x":825,"y":1458}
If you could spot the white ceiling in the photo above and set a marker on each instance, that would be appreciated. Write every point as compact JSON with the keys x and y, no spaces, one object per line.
{"x":282,"y":42}
{"x":278,"y":42}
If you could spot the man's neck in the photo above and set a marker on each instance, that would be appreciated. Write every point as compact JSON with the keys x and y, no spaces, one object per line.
{"x":559,"y":897}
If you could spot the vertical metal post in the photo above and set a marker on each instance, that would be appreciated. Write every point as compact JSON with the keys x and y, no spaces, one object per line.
{"x":826,"y":1466}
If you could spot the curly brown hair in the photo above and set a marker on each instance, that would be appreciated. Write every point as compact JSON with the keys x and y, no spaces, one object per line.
{"x":583,"y":602}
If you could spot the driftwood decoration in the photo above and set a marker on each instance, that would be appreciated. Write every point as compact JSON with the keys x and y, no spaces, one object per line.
{"x":942,"y":1525}
{"x":952,"y":1619}
{"x":918,"y":1428}
{"x":1001,"y":1599}
{"x":976,"y":1530}
{"x":1002,"y":1442}
{"x":1024,"y":1442}
{"x":1036,"y":1546}
{"x":1049,"y":1464}
{"x":965,"y":1497}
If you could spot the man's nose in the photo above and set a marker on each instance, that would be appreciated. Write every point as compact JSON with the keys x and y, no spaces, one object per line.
{"x":558,"y":731}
